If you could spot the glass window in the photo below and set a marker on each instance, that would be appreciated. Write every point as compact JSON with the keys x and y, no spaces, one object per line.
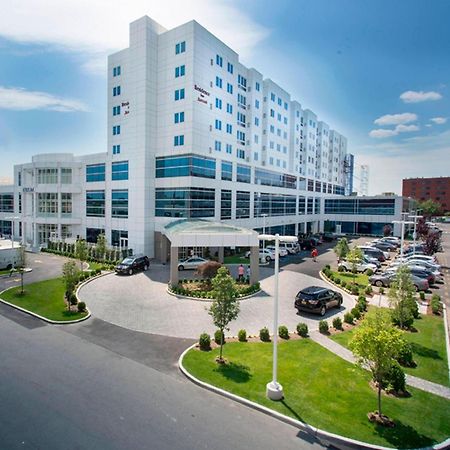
{"x":47,"y":176}
{"x":66,"y":204}
{"x":301,"y":205}
{"x":219,"y":82}
{"x":225,"y":204}
{"x":242,"y":205}
{"x":219,"y":60}
{"x":310,"y":206}
{"x":6,"y":202}
{"x":92,"y":234}
{"x":66,"y":175}
{"x":116,"y":91}
{"x":117,"y":235}
{"x":268,"y":178}
{"x":184,"y":202}
{"x":227,"y":171}
{"x":95,"y":172}
{"x":119,"y":170}
{"x":180,"y":47}
{"x":179,"y":94}
{"x":185,"y":166}
{"x":116,"y":71}
{"x":95,"y":203}
{"x":178,"y":140}
{"x":47,"y":204}
{"x":119,"y":203}
{"x":230,"y":67}
{"x":243,"y":174}
{"x":116,"y":149}
{"x":180,"y":71}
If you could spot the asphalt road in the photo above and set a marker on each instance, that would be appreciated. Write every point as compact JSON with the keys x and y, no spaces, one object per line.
{"x":99,"y":387}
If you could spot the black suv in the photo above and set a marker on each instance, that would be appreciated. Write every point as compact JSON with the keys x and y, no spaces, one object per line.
{"x":317,"y":299}
{"x":132,"y":264}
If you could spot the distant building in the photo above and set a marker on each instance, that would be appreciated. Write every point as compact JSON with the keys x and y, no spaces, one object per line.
{"x":421,"y":189}
{"x":364,"y":180}
{"x":349,"y":164}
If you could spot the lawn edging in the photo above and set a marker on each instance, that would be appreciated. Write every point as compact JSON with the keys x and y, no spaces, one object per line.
{"x":53,"y":322}
{"x":321,"y":435}
{"x":447,"y":339}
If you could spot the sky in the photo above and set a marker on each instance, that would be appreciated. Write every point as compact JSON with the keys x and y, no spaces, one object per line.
{"x":377,"y":71}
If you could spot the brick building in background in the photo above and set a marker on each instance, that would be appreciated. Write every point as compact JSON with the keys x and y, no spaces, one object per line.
{"x":436,"y":189}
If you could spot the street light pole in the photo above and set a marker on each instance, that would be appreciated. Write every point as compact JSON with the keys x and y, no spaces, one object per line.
{"x":274,"y":390}
{"x":415,"y":217}
{"x":264,"y":228}
{"x":402,"y":239}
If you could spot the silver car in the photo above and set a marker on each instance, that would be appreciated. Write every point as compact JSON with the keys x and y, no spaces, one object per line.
{"x":191,"y":263}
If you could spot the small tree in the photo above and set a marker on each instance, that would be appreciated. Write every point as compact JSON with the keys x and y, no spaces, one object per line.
{"x":208,"y":270}
{"x":432,"y":244}
{"x":387,"y":230}
{"x":422,"y":228}
{"x":376,"y":344}
{"x":21,"y":266}
{"x":430,"y":208}
{"x":401,"y":294}
{"x":341,"y":249}
{"x":225,"y":307}
{"x":100,"y":246}
{"x":354,"y":257}
{"x":81,"y":251}
{"x":70,"y":276}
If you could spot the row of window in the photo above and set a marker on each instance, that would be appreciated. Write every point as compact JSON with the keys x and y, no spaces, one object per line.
{"x":6,"y":202}
{"x":118,"y":237}
{"x":50,"y":175}
{"x":360,"y":206}
{"x":48,"y":204}
{"x":95,"y":203}
{"x":185,"y":166}
{"x":96,"y":172}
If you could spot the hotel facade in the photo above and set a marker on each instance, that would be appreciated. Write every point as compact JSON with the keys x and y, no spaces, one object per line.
{"x":192,"y":133}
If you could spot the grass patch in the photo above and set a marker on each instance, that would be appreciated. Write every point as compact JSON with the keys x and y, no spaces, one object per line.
{"x":361,"y":279}
{"x":236,"y":259}
{"x":45,"y":298}
{"x":325,"y":391}
{"x":5,"y":271}
{"x":428,"y":345}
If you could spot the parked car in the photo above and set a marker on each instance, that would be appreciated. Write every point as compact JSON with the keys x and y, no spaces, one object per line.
{"x":281,"y":250}
{"x":373,"y":252}
{"x":264,"y":254}
{"x":328,"y":237}
{"x":385,"y":280}
{"x":360,"y":267}
{"x":421,"y":257}
{"x":306,"y":244}
{"x":291,"y":247}
{"x":133,"y":264}
{"x":191,"y":263}
{"x":418,"y":271}
{"x":418,"y":262}
{"x":371,"y":260}
{"x":315,"y":299}
{"x":391,"y":240}
{"x":384,"y":246}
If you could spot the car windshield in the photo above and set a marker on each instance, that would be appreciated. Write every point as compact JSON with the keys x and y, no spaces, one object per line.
{"x":127,"y":261}
{"x":308,"y":295}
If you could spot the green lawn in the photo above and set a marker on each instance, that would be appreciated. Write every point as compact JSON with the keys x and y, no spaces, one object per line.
{"x":45,"y":298}
{"x":361,"y":279}
{"x":325,"y":391}
{"x":236,"y":259}
{"x":428,"y":347}
{"x":5,"y":271}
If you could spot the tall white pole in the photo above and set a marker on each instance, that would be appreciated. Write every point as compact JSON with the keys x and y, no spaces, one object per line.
{"x":402,"y":239}
{"x":264,"y":229}
{"x":274,"y":389}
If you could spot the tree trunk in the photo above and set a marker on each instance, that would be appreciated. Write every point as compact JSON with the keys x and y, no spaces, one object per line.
{"x":21,"y":282}
{"x":221,"y":343}
{"x":379,"y":398}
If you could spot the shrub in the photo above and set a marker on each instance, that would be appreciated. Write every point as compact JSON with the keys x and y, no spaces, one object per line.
{"x":283,"y":332}
{"x":323,"y":326}
{"x":355,"y":289}
{"x":218,"y":337}
{"x":302,"y":329}
{"x":422,"y":295}
{"x":381,"y":290}
{"x":368,"y":290}
{"x":242,"y":336}
{"x":73,"y":299}
{"x":348,"y":318}
{"x":327,"y":266}
{"x":264,"y":334}
{"x":81,"y":307}
{"x":356,"y":313}
{"x":395,"y":379}
{"x":413,"y":307}
{"x":436,"y":304}
{"x":362,"y":303}
{"x":369,"y":272}
{"x":405,"y":357}
{"x":337,"y":323}
{"x":205,"y":342}
{"x":337,"y":281}
{"x":343,"y":283}
{"x":331,"y":276}
{"x":341,"y":269}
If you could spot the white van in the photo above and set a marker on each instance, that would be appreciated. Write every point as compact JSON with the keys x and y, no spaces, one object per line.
{"x":291,"y":247}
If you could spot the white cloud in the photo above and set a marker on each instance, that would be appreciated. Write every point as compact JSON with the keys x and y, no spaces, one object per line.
{"x":95,"y":28}
{"x":395,"y":119}
{"x":419,"y":96}
{"x":382,"y":133}
{"x":20,"y":99}
{"x":439,"y":120}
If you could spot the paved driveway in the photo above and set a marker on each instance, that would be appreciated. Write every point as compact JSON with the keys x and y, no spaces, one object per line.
{"x":141,"y":303}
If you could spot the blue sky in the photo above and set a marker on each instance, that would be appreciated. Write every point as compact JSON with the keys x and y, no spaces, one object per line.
{"x":349,"y":61}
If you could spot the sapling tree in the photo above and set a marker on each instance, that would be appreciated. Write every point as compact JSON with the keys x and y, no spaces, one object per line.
{"x":376,"y":344}
{"x":21,"y":266}
{"x":354,"y":257}
{"x":70,"y":275}
{"x":100,"y":246}
{"x":225,"y":307}
{"x":81,"y":251}
{"x":401,"y":298}
{"x":341,"y":249}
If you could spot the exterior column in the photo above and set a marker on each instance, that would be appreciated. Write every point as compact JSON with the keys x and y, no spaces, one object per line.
{"x":220,"y":254}
{"x":173,"y":266}
{"x":254,"y":265}
{"x":163,"y":249}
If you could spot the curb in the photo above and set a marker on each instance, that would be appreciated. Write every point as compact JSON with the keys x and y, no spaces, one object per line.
{"x":447,"y":339}
{"x":53,"y":322}
{"x":322,"y":436}
{"x":207,"y":300}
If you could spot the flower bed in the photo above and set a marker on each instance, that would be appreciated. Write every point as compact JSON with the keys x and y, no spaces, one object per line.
{"x":203,"y":289}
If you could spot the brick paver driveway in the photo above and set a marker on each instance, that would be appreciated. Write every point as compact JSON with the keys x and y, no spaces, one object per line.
{"x":140,"y":302}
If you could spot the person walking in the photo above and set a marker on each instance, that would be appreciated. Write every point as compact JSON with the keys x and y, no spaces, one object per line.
{"x":314,"y":254}
{"x":248,"y":274}
{"x":241,"y":272}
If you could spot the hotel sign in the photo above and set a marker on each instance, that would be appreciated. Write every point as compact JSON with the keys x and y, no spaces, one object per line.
{"x":203,"y":94}
{"x":28,"y":189}
{"x":125,"y":108}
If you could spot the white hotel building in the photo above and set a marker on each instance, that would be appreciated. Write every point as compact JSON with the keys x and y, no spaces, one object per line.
{"x":192,"y":133}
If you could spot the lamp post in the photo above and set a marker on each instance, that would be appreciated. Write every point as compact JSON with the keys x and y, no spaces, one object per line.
{"x":402,"y":239}
{"x":264,"y":228}
{"x":415,"y":217}
{"x":274,"y":390}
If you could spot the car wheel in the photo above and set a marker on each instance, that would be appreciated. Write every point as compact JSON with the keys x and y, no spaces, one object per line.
{"x":379,"y":283}
{"x":268,"y":258}
{"x":339,"y":304}
{"x":180,"y":268}
{"x":323,"y":310}
{"x":146,"y":267}
{"x":130,"y":272}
